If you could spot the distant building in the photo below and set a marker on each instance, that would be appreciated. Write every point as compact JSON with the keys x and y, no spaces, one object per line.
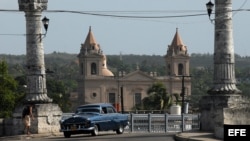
{"x":96,"y":83}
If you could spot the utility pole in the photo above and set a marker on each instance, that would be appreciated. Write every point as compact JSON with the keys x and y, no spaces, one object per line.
{"x":183,"y":98}
{"x":122,"y":105}
{"x":120,"y":75}
{"x":183,"y":92}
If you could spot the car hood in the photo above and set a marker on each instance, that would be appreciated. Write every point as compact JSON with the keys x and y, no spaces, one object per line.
{"x":77,"y":118}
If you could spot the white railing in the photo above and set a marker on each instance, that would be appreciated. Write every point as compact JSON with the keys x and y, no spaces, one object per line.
{"x":158,"y":123}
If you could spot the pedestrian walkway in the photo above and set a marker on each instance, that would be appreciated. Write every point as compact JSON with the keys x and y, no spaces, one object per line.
{"x":182,"y":136}
{"x":196,"y":136}
{"x":27,"y":137}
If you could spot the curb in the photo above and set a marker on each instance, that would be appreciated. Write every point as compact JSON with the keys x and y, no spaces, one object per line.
{"x":179,"y":138}
{"x":195,"y":136}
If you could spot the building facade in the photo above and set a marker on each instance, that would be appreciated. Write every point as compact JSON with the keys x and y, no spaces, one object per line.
{"x":96,"y":83}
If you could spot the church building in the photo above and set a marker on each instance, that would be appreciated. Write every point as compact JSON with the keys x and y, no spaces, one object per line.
{"x":97,"y":84}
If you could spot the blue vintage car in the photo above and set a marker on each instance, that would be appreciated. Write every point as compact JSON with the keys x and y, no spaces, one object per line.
{"x":92,"y":118}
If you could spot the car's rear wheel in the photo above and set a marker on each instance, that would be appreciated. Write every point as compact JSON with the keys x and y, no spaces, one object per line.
{"x":95,"y":131}
{"x":67,"y":134}
{"x":120,"y":130}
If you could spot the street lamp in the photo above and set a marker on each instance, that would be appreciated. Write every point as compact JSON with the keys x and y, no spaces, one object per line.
{"x":45,"y":22}
{"x":210,"y":7}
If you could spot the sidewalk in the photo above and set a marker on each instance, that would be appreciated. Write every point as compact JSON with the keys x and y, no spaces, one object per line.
{"x":195,"y":136}
{"x":183,"y":136}
{"x":27,"y":137}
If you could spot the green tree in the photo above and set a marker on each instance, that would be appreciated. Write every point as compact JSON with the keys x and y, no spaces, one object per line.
{"x":202,"y":79}
{"x":157,"y":99}
{"x":8,"y":89}
{"x":177,"y":99}
{"x":57,"y":90}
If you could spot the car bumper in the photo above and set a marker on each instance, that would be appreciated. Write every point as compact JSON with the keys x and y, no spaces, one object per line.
{"x":77,"y":129}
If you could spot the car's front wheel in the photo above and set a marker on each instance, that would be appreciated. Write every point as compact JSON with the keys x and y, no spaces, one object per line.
{"x":66,"y":134}
{"x":95,"y":131}
{"x":120,"y":130}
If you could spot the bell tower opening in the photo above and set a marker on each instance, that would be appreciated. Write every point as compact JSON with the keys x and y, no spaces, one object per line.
{"x":180,"y":69}
{"x":93,"y":68}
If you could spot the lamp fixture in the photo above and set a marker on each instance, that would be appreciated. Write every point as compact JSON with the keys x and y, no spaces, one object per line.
{"x":45,"y":22}
{"x":210,"y":7}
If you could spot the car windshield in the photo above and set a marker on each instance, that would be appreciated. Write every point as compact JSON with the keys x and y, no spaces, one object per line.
{"x":87,"y":110}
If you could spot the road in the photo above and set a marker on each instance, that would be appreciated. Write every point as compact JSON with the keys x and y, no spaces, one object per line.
{"x":107,"y":137}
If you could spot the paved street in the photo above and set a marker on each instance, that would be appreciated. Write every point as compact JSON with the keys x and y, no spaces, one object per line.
{"x":104,"y":137}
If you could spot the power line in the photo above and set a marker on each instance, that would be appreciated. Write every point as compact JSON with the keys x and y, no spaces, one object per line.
{"x":124,"y":16}
{"x":99,"y":13}
{"x":14,"y":34}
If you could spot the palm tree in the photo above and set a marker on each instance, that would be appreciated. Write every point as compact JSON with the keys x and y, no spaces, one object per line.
{"x":177,"y":98}
{"x":157,"y":99}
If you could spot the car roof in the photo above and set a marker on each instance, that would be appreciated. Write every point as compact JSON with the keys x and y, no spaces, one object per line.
{"x":96,"y":104}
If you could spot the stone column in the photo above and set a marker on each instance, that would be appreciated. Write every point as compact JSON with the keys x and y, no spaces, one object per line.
{"x":224,"y":61}
{"x":35,"y":66}
{"x":224,"y":104}
{"x":46,"y":114}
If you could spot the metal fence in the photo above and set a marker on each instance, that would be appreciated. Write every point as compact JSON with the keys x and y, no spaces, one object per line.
{"x":160,"y":123}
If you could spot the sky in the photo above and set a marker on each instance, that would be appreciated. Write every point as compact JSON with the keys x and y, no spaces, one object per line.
{"x":124,"y":35}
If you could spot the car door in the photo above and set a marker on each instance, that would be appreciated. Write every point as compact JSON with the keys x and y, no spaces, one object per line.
{"x":105,"y":119}
{"x":113,"y":118}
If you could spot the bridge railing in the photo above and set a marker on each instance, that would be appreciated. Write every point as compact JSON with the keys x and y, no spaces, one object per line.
{"x":159,"y":123}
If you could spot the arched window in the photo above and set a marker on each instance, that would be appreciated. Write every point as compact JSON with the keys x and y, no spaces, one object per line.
{"x":93,"y":68}
{"x":180,"y":69}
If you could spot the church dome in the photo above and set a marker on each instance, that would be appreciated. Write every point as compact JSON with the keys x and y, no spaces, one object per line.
{"x":107,"y":72}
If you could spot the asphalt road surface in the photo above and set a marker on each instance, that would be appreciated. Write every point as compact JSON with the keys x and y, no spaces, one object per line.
{"x":111,"y":137}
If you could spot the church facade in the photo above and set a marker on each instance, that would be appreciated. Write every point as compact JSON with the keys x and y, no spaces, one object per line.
{"x":97,"y":84}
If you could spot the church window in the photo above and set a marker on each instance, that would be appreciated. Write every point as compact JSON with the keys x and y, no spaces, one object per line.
{"x":180,"y":69}
{"x":111,"y":98}
{"x":93,"y":68}
{"x":137,"y":99}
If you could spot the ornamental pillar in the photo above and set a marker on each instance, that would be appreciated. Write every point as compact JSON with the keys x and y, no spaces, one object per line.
{"x":224,"y":61}
{"x":35,"y":67}
{"x":224,"y":105}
